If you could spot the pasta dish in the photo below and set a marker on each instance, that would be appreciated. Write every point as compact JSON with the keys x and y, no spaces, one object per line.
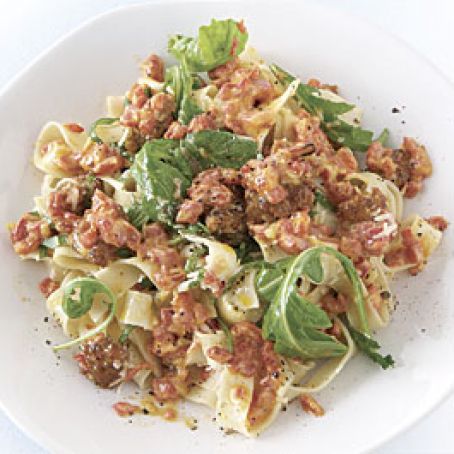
{"x":226,"y":234}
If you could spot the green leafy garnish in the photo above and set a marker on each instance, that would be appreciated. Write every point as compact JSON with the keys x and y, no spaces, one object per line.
{"x":248,"y":251}
{"x":337,"y":130}
{"x":192,"y":262}
{"x":164,"y":168}
{"x":228,"y":334}
{"x":215,"y":45}
{"x":125,"y":333}
{"x":321,"y":199}
{"x":196,"y":278}
{"x":180,"y":83}
{"x":101,"y":121}
{"x":163,"y":177}
{"x":198,"y":229}
{"x":219,"y":149}
{"x":383,"y":137}
{"x":43,"y":252}
{"x":78,"y":298}
{"x":369,"y":347}
{"x":269,"y":278}
{"x":293,"y":322}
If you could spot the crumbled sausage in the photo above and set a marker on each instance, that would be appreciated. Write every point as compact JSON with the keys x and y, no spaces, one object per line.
{"x":48,"y":286}
{"x":189,"y":212}
{"x":439,"y":222}
{"x":367,"y":239}
{"x":125,"y":409}
{"x":153,"y":67}
{"x":290,"y":234}
{"x":408,"y":250}
{"x":308,"y":131}
{"x":164,"y":389}
{"x":253,"y":357}
{"x":217,"y":194}
{"x":176,"y":131}
{"x":362,"y":206}
{"x":310,"y":405}
{"x":102,"y":159}
{"x":68,"y":202}
{"x":251,"y":354}
{"x":29,"y":232}
{"x":202,"y":122}
{"x":277,"y":186}
{"x":102,"y":360}
{"x":173,"y":336}
{"x":149,"y":116}
{"x":407,"y":166}
{"x":239,"y":101}
{"x":105,"y":223}
{"x":259,"y":210}
{"x":168,"y":261}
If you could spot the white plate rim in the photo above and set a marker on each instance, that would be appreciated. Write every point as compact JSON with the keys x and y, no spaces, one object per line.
{"x":42,"y":438}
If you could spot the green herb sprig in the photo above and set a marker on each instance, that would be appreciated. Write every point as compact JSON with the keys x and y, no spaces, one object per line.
{"x":78,"y":298}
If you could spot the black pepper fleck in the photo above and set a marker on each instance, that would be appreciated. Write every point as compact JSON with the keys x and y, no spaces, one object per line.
{"x":48,"y":342}
{"x":395,"y":110}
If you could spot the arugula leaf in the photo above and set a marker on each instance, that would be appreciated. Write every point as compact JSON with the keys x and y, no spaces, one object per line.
{"x":43,"y":252}
{"x":139,"y":214}
{"x":188,"y":110}
{"x":101,"y":121}
{"x":369,"y":347}
{"x":195,"y":278}
{"x":78,"y":297}
{"x":164,"y":168}
{"x":269,"y":278}
{"x":198,"y":229}
{"x":383,"y":137}
{"x":180,"y":83}
{"x":221,"y":148}
{"x":228,"y":334}
{"x":162,"y":178}
{"x":346,"y":135}
{"x":215,"y":45}
{"x":191,"y":264}
{"x":337,"y":130}
{"x":125,"y":333}
{"x":320,"y":198}
{"x":248,"y":251}
{"x":293,"y":322}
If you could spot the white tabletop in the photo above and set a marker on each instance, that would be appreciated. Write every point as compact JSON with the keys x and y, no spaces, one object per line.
{"x":27,"y":27}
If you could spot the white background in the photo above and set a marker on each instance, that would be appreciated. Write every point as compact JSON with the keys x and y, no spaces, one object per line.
{"x":27,"y":27}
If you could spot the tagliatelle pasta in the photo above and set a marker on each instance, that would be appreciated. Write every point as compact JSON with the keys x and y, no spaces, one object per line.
{"x":215,"y":238}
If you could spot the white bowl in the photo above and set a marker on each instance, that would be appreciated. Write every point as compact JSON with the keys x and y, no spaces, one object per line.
{"x":366,"y":406}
